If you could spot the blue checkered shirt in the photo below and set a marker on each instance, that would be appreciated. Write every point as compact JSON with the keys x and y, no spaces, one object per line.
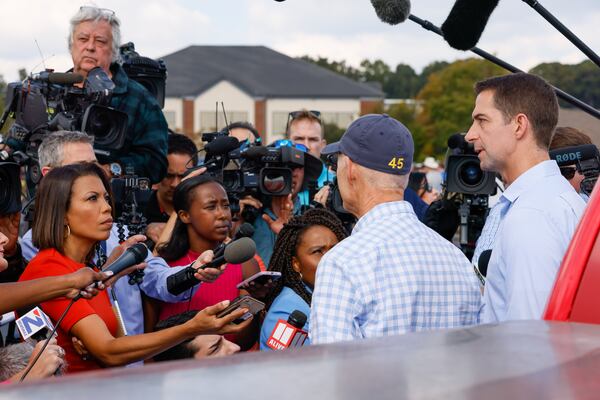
{"x":392,"y":275}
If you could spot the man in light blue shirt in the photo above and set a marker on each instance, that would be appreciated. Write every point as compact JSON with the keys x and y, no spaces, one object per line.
{"x":513,"y":122}
{"x":393,"y":274}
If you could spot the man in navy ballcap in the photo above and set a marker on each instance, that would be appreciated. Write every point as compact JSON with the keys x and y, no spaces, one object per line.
{"x":393,"y":274}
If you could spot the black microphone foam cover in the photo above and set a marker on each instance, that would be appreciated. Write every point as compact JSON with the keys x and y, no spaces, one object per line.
{"x":222,"y":145}
{"x":466,"y":22}
{"x":484,"y":260}
{"x":392,"y":12}
{"x":456,"y":141}
{"x":256,"y":152}
{"x":132,"y":256}
{"x":64,"y":78}
{"x":245,"y":230}
{"x":298,"y":319}
{"x":240,"y":251}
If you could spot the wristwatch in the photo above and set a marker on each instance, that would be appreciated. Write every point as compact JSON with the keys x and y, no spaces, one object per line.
{"x":115,"y":169}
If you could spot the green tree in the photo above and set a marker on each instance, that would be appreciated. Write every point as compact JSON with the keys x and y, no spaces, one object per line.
{"x":428,"y":70}
{"x":448,"y":101}
{"x":339,"y":67}
{"x":402,"y":83}
{"x":2,"y":92}
{"x":332,"y":132}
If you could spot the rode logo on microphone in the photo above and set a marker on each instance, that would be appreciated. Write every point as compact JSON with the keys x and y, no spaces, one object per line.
{"x":32,"y":322}
{"x":285,"y":335}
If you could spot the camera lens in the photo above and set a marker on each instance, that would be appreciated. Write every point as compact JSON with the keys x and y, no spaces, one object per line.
{"x":100,"y":124}
{"x":274,"y":183}
{"x":471,"y":174}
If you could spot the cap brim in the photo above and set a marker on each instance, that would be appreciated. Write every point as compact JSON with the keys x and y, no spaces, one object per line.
{"x":331,"y":148}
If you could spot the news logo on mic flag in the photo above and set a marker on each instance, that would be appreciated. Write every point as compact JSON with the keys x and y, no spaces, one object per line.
{"x":33,"y":322}
{"x":285,"y":335}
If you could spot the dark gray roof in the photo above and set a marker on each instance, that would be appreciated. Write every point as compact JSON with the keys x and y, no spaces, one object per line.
{"x":259,"y":71}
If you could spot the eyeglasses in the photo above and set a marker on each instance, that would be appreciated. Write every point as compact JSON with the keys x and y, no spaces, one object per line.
{"x":295,"y":114}
{"x":292,"y":116}
{"x":104,"y":11}
{"x":568,"y":172}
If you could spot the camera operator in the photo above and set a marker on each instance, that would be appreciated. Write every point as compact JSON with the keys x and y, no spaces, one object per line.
{"x":181,"y":154}
{"x":280,"y":209}
{"x":244,"y":132}
{"x":513,"y":122}
{"x":63,"y":148}
{"x":393,"y":274}
{"x":94,"y":41}
{"x":565,"y":136}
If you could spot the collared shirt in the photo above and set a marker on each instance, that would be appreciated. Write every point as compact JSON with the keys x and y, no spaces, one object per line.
{"x":488,"y":233}
{"x":129,"y":296}
{"x":392,"y":275}
{"x":531,"y":242}
{"x":282,"y":307}
{"x":145,"y":147}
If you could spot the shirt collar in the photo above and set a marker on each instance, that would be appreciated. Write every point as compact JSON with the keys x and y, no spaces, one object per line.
{"x":530,"y":178}
{"x":381,"y":211}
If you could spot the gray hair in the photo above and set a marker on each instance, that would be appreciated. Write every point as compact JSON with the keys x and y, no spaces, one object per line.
{"x":14,"y":359}
{"x":50,"y":152}
{"x":93,"y":13}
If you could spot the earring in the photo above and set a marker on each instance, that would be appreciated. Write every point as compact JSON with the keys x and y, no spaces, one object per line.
{"x":300,"y":274}
{"x":68,"y":231}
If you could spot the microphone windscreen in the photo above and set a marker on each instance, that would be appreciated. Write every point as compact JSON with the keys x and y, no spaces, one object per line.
{"x":484,"y":260}
{"x":456,"y":141}
{"x":392,"y":12}
{"x":298,"y":319}
{"x":570,"y":155}
{"x":240,"y":251}
{"x":245,"y":230}
{"x":64,"y":78}
{"x":222,"y":145}
{"x":466,"y":21}
{"x":256,"y":152}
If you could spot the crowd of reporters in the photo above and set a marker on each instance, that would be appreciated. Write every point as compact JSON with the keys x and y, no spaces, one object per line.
{"x":355,"y":236}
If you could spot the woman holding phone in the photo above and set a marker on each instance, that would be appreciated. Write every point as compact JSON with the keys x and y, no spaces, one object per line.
{"x":204,"y":222}
{"x":73,"y":214}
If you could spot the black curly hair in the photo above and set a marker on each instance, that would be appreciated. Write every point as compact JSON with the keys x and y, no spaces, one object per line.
{"x":286,"y":246}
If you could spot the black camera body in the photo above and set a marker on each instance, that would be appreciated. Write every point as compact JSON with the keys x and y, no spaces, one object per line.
{"x":585,"y":158}
{"x":152,"y":74}
{"x":10,"y":188}
{"x":463,"y":171}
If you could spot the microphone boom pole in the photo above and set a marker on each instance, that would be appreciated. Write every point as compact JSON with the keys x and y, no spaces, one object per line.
{"x":509,"y":67}
{"x":566,"y":32}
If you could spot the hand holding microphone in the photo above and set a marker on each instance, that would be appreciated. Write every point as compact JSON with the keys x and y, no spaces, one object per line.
{"x":287,"y":334}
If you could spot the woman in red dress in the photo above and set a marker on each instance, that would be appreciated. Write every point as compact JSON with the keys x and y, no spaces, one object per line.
{"x":74,"y":213}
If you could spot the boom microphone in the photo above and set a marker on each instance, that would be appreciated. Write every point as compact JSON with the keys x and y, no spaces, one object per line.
{"x":458,"y":141}
{"x":236,"y":252}
{"x":59,"y":78}
{"x":466,"y":21}
{"x":392,"y":12}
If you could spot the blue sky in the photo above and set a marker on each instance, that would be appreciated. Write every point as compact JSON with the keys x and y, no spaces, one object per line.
{"x":338,"y":29}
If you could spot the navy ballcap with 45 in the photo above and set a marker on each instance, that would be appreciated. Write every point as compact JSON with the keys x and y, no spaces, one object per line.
{"x":378,"y":142}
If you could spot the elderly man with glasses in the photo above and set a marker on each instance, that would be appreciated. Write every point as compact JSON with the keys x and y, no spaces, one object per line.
{"x":94,"y":41}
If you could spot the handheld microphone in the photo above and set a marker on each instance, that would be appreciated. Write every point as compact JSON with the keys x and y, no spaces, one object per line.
{"x":484,"y":260}
{"x":236,"y":252}
{"x":392,"y":12}
{"x":132,"y":256}
{"x":289,"y":333}
{"x":59,"y":78}
{"x":466,"y":22}
{"x":573,"y":154}
{"x":35,"y":325}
